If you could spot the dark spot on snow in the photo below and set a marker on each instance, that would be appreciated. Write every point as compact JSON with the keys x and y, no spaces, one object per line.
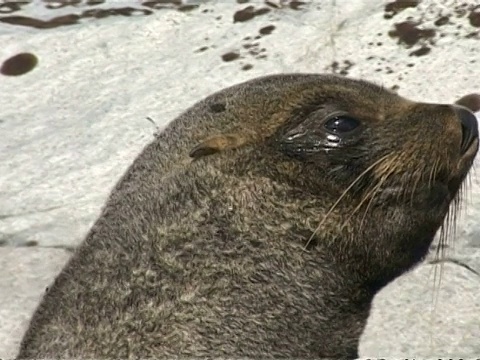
{"x":19,"y":64}
{"x":185,"y":8}
{"x":202,"y":49}
{"x":58,"y":4}
{"x":424,"y":50}
{"x":247,"y":67}
{"x":103,"y":13}
{"x":341,"y":69}
{"x":267,"y":30}
{"x":296,"y":5}
{"x":161,"y":4}
{"x":409,"y":33}
{"x":72,"y":19}
{"x":95,"y":2}
{"x":292,"y":4}
{"x":9,"y":7}
{"x":248,"y":13}
{"x":473,"y":35}
{"x":31,"y":243}
{"x":442,"y":21}
{"x":82,"y":9}
{"x":474,"y":17}
{"x":397,"y":6}
{"x":41,"y":24}
{"x":230,"y":56}
{"x":271,"y":4}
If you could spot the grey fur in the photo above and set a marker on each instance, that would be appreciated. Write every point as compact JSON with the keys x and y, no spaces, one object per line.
{"x":208,"y":257}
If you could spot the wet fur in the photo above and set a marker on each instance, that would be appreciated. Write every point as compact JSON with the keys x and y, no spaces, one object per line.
{"x":224,"y":239}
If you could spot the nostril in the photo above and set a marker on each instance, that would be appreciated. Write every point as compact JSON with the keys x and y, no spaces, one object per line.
{"x":469,"y":127}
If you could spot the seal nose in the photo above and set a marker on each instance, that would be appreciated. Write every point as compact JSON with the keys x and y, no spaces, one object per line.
{"x":469,"y":127}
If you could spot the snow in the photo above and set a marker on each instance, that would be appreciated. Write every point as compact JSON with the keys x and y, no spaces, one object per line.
{"x":70,"y":127}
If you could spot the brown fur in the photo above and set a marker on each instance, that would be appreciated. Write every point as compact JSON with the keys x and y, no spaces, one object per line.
{"x":269,"y":244}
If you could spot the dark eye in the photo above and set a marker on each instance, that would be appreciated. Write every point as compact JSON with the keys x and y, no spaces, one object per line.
{"x":341,"y":124}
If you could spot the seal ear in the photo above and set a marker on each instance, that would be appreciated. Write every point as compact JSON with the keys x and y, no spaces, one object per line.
{"x":216,"y":144}
{"x":470,"y":101}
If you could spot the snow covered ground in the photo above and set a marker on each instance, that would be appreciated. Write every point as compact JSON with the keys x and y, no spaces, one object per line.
{"x":75,"y":119}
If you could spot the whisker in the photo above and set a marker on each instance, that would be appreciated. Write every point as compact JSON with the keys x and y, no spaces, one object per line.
{"x":448,"y":231}
{"x":414,"y":187}
{"x":359,"y":177}
{"x":376,"y":189}
{"x":365,"y":198}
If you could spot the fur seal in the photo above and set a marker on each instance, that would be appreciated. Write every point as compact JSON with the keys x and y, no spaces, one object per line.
{"x":260,"y":223}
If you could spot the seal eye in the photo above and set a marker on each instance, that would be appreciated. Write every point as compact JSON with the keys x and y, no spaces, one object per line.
{"x":341,"y":124}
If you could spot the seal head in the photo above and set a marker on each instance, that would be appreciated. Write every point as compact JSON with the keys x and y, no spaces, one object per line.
{"x":261,"y":223}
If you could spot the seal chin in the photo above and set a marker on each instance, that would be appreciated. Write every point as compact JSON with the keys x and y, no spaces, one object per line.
{"x":469,"y":126}
{"x":468,"y":147}
{"x":464,"y":165}
{"x":471,"y":151}
{"x":468,"y":156}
